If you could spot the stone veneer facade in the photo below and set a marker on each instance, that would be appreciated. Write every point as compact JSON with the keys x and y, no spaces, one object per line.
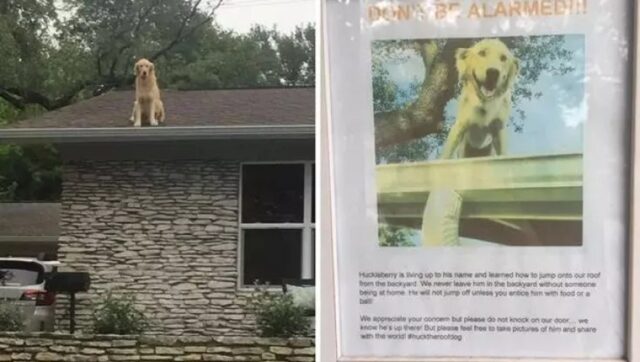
{"x":165,"y":231}
{"x":98,"y":348}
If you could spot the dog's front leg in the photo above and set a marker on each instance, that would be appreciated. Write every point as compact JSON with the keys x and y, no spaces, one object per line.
{"x":133,"y":112}
{"x":137,"y":114}
{"x":152,"y":113}
{"x":500,"y":141}
{"x":454,"y":139}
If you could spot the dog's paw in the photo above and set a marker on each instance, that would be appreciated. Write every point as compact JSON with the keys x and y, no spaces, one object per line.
{"x":137,"y":124}
{"x":153,"y":122}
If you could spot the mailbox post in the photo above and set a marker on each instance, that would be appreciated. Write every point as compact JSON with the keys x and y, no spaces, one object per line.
{"x":69,"y":283}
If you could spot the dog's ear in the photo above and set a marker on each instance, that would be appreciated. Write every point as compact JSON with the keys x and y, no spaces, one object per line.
{"x":135,"y":69}
{"x":152,"y":68}
{"x":461,"y":61}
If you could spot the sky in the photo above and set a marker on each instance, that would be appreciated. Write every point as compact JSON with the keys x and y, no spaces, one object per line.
{"x":240,"y":15}
{"x":553,"y":123}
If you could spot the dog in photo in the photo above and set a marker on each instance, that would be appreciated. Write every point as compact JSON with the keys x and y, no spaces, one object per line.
{"x":487,"y":72}
{"x":147,"y":106}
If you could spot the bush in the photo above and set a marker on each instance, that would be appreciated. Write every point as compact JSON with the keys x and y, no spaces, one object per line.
{"x":278,"y":316}
{"x":10,"y":318}
{"x":118,"y":315}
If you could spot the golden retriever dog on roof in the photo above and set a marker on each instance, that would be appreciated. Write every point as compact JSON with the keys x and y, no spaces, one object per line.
{"x":487,"y":72}
{"x":147,"y":105}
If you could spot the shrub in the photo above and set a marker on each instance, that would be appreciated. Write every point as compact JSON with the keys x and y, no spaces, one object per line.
{"x":118,"y":315}
{"x":10,"y":318}
{"x":278,"y":316}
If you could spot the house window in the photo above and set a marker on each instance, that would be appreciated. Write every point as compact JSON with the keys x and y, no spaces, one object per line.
{"x":277,"y":222}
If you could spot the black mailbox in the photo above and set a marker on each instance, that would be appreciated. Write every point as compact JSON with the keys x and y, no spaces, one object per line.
{"x":68,"y":282}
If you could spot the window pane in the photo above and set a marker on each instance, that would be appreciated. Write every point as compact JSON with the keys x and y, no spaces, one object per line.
{"x":272,"y":193}
{"x":271,"y":255}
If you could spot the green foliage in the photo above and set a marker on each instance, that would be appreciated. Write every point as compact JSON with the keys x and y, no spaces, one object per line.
{"x":297,"y":55}
{"x":10,"y":317}
{"x":385,"y":92}
{"x":29,"y":173}
{"x":33,"y":60}
{"x":389,"y":235}
{"x":8,"y":113}
{"x":261,"y":58}
{"x":118,"y":315}
{"x":23,"y":26}
{"x":414,"y":150}
{"x":277,"y":315}
{"x":536,"y":54}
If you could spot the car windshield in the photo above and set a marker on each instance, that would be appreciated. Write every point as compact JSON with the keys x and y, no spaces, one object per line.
{"x":19,"y":273}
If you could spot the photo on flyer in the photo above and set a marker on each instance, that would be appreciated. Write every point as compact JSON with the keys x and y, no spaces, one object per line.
{"x":479,"y":141}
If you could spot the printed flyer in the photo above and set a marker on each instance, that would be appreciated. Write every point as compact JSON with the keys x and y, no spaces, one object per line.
{"x":480,"y":153}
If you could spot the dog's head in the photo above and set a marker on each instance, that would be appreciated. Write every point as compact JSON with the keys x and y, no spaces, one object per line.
{"x":144,"y":68}
{"x":489,"y":66}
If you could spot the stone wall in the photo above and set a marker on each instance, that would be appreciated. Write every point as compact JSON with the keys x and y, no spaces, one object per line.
{"x":64,"y":347}
{"x":165,"y":231}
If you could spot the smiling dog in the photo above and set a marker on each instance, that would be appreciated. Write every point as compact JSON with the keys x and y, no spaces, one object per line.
{"x":147,"y":104}
{"x":487,"y":72}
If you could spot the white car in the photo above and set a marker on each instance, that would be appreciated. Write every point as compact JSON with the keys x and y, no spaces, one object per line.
{"x":22,"y":283}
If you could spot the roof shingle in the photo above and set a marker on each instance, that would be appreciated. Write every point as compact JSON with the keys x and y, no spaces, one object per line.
{"x":237,"y":107}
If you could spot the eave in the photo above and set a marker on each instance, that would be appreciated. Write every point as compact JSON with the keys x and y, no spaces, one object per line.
{"x":130,"y":134}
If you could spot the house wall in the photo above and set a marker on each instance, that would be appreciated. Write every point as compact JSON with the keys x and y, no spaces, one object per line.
{"x":165,"y":231}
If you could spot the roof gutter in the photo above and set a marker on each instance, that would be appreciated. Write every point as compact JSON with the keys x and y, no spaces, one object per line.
{"x":129,"y":134}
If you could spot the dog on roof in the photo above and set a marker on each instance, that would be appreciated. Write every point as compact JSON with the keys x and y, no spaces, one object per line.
{"x":148,"y":106}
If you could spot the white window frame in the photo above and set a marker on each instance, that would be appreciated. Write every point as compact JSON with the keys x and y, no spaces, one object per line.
{"x":307,"y":226}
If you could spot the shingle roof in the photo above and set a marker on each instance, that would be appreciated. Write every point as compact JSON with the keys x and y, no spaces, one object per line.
{"x":29,"y":219}
{"x":237,"y":107}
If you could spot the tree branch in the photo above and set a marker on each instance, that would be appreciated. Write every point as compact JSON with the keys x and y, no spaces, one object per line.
{"x":426,"y":114}
{"x":142,"y":15}
{"x":12,"y":99}
{"x":181,"y":34}
{"x":20,"y":98}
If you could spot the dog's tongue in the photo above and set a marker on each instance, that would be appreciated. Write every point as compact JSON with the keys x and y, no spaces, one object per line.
{"x":488,"y":92}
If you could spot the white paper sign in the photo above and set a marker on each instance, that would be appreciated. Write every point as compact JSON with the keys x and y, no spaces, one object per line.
{"x":480,"y":155}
